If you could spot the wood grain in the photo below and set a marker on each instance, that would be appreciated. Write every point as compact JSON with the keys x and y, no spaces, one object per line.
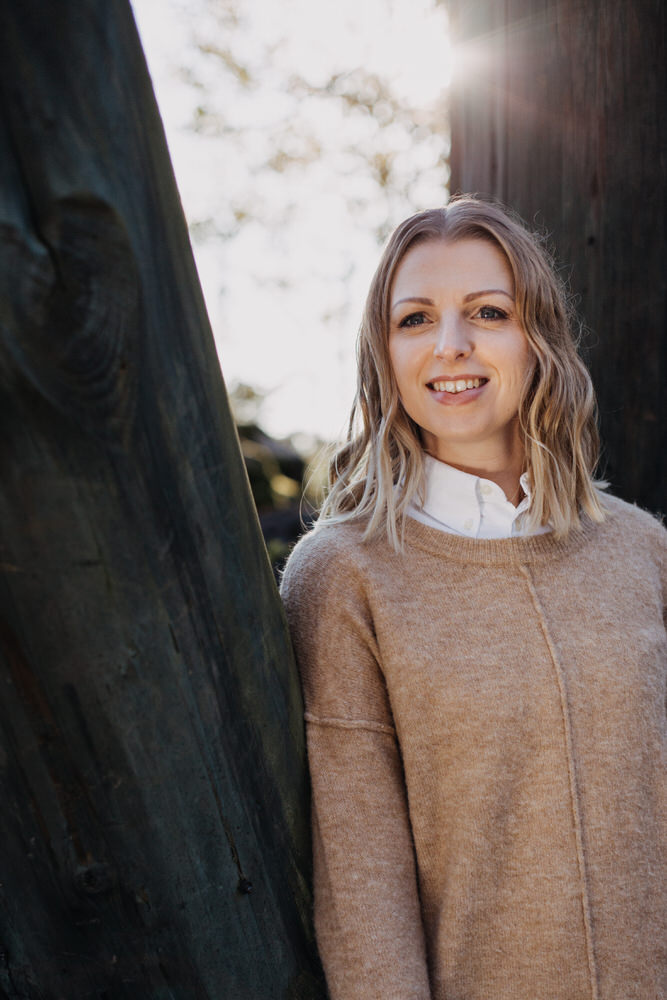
{"x":152,"y":765}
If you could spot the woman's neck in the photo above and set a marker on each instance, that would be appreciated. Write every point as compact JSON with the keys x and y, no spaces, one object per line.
{"x":500,"y":458}
{"x":505,"y":476}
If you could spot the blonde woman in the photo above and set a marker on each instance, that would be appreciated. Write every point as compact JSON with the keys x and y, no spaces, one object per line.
{"x":480,"y":633}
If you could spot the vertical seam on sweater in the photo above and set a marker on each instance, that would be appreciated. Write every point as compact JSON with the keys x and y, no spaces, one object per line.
{"x":574,"y":795}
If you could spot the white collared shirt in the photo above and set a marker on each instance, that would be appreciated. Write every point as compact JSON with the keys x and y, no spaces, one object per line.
{"x":463,"y":504}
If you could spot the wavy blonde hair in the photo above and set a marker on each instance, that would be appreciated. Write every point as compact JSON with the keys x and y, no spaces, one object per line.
{"x":378,"y":471}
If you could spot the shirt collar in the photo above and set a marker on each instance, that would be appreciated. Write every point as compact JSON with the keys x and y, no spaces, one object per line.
{"x":468,"y":505}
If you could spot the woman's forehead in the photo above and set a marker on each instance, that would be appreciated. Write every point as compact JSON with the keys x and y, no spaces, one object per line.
{"x":442,"y":265}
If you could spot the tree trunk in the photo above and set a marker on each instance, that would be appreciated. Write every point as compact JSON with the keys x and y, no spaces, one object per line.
{"x":558,"y":109}
{"x":152,"y":770}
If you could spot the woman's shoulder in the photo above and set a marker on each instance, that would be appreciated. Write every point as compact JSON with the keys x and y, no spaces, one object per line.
{"x":630,"y":527}
{"x":326,"y":551}
{"x":631,"y":517}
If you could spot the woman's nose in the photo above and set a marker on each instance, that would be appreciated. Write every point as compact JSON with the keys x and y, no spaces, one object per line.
{"x":452,"y":340}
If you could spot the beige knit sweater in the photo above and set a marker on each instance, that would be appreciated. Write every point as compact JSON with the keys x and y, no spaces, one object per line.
{"x":487,"y":744}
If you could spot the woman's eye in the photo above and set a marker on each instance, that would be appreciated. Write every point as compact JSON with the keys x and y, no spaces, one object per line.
{"x":491,"y":313}
{"x":414,"y":319}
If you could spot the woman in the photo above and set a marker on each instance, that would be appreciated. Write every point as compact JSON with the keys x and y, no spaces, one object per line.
{"x":480,"y":633}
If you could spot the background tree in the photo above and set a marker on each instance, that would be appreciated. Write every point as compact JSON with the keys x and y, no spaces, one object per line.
{"x":152,"y":772}
{"x":558,"y":109}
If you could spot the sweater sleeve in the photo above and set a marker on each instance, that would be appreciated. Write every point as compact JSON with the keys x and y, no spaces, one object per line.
{"x":367,"y":913}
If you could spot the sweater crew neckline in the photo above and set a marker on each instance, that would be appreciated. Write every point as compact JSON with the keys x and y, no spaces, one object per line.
{"x":495,"y":551}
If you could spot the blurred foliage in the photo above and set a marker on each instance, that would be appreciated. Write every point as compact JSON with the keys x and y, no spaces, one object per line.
{"x":300,"y":150}
{"x":355,"y":135}
{"x":301,"y":134}
{"x":389,"y":151}
{"x":285,"y":475}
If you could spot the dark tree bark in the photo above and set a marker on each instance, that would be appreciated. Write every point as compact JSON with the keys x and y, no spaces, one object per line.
{"x":558,"y":109}
{"x":154,"y":820}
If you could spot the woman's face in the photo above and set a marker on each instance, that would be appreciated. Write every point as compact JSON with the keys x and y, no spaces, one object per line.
{"x":458,"y":352}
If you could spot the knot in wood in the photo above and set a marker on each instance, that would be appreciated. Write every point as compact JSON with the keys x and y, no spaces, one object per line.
{"x":70,"y":312}
{"x":94,"y":878}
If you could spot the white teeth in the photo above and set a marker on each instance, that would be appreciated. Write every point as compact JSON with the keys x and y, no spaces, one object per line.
{"x":458,"y":386}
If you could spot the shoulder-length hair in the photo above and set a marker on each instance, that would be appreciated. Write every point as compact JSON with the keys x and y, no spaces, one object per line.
{"x":378,"y":471}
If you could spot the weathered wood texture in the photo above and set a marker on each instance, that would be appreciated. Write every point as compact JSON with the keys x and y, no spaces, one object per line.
{"x":558,"y":108}
{"x":154,"y":820}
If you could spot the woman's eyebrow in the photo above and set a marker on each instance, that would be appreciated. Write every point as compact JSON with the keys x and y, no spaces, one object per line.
{"x":414,"y":298}
{"x":487,"y":291}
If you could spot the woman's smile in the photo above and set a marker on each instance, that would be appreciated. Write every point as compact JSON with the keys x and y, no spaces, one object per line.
{"x":458,"y":352}
{"x":461,"y":385}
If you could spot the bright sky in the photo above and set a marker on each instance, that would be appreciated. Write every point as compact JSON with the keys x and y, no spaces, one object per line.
{"x":279,"y":185}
